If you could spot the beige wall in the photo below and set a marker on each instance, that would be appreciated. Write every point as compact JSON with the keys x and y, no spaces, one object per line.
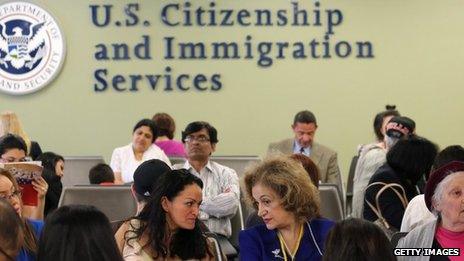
{"x":417,"y":66}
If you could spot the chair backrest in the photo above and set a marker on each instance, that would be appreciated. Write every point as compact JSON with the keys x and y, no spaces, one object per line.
{"x":237,"y":163}
{"x":76,"y":169}
{"x":349,"y":183}
{"x":396,"y":237}
{"x":237,"y":223}
{"x":331,"y":205}
{"x":116,"y":202}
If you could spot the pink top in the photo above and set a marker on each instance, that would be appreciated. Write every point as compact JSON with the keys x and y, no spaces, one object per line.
{"x":172,"y":148}
{"x":450,"y":239}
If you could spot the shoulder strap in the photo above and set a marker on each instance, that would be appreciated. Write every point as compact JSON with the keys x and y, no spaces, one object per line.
{"x":392,"y":186}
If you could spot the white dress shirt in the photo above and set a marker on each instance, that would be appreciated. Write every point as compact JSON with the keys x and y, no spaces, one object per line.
{"x":123,"y":160}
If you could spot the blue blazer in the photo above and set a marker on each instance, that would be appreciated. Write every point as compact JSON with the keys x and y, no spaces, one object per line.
{"x":260,"y":243}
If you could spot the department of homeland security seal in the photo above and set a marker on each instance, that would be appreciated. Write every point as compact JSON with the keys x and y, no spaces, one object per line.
{"x":32,"y":48}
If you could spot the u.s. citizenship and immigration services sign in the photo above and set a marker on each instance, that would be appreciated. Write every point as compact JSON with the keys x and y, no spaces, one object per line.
{"x":32,"y":48}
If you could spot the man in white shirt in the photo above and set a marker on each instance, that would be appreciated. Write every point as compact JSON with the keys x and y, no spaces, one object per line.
{"x":221,"y":191}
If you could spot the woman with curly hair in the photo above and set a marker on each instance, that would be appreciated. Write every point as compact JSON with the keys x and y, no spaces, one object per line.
{"x":284,"y":196}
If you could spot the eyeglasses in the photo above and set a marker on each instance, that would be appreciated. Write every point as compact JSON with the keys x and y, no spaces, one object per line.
{"x":201,"y":139}
{"x":16,"y":193}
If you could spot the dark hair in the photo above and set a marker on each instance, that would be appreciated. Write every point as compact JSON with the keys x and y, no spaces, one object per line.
{"x":412,"y":158}
{"x":78,"y":232}
{"x":447,"y":155}
{"x":101,"y":173}
{"x":310,"y":167}
{"x":186,"y":244}
{"x":304,"y":117}
{"x":11,"y":141}
{"x":357,"y":240}
{"x":30,"y":238}
{"x":148,"y":123}
{"x":11,"y":231}
{"x":49,"y":160}
{"x":165,"y":124}
{"x":198,"y":126}
{"x":390,"y":110}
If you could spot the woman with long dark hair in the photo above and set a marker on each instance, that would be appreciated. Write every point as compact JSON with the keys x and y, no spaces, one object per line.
{"x":53,"y":170}
{"x":78,"y":232}
{"x":10,"y":191}
{"x":168,"y":226}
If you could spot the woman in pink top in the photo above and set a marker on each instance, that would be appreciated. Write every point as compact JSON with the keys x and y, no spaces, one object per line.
{"x":444,"y":196}
{"x":166,"y":127}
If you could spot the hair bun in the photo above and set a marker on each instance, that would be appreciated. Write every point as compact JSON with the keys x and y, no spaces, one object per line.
{"x":389,"y":107}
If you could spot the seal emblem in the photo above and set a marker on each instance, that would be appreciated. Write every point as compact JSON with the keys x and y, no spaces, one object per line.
{"x":32,"y":48}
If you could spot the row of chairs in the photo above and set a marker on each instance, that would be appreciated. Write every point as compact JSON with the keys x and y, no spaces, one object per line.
{"x":118,"y":204}
{"x":77,"y":168}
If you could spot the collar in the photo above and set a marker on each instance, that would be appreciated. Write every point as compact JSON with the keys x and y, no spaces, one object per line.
{"x":189,"y":167}
{"x":297,"y":149}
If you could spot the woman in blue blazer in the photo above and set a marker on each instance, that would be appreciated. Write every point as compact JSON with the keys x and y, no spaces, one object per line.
{"x":282,"y":193}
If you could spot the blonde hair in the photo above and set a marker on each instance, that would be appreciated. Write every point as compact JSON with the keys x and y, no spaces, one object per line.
{"x":9,"y":123}
{"x":290,"y":181}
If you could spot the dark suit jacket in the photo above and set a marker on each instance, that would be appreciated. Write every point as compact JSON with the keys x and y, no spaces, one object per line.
{"x":323,"y":157}
{"x":260,"y":243}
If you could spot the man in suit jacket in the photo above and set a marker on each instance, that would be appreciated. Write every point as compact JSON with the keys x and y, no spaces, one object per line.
{"x":304,"y":127}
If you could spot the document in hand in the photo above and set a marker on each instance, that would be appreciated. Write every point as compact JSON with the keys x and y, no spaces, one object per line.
{"x":25,"y":173}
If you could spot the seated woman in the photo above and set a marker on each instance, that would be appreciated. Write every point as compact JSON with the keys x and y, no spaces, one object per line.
{"x":78,"y":232}
{"x":407,"y":163}
{"x":9,"y":123}
{"x":11,"y":231}
{"x":53,"y":171}
{"x":13,"y":149}
{"x":165,"y":140}
{"x":126,"y":159}
{"x":444,"y":196}
{"x":288,"y":202}
{"x":168,"y":227}
{"x":10,"y":191}
{"x":313,"y":171}
{"x":357,"y":240}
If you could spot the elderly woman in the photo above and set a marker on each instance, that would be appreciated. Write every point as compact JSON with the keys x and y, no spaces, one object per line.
{"x":444,"y":196}
{"x":284,"y":196}
{"x":126,"y":159}
{"x":168,"y":227}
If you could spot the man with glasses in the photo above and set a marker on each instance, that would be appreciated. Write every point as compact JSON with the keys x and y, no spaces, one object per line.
{"x":221,"y":191}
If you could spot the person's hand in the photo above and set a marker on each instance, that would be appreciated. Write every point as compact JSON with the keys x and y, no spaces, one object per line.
{"x":41,"y":186}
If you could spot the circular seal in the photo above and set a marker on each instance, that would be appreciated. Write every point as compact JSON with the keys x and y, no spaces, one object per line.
{"x":32,"y":48}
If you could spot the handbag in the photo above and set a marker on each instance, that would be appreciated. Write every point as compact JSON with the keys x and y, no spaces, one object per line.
{"x":388,"y":229}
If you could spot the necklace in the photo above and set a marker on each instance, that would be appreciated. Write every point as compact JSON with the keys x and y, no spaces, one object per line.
{"x":286,"y":249}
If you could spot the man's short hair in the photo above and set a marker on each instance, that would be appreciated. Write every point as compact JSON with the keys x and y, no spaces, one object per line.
{"x":305,"y":117}
{"x":198,"y":126}
{"x":11,"y":141}
{"x":101,"y":173}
